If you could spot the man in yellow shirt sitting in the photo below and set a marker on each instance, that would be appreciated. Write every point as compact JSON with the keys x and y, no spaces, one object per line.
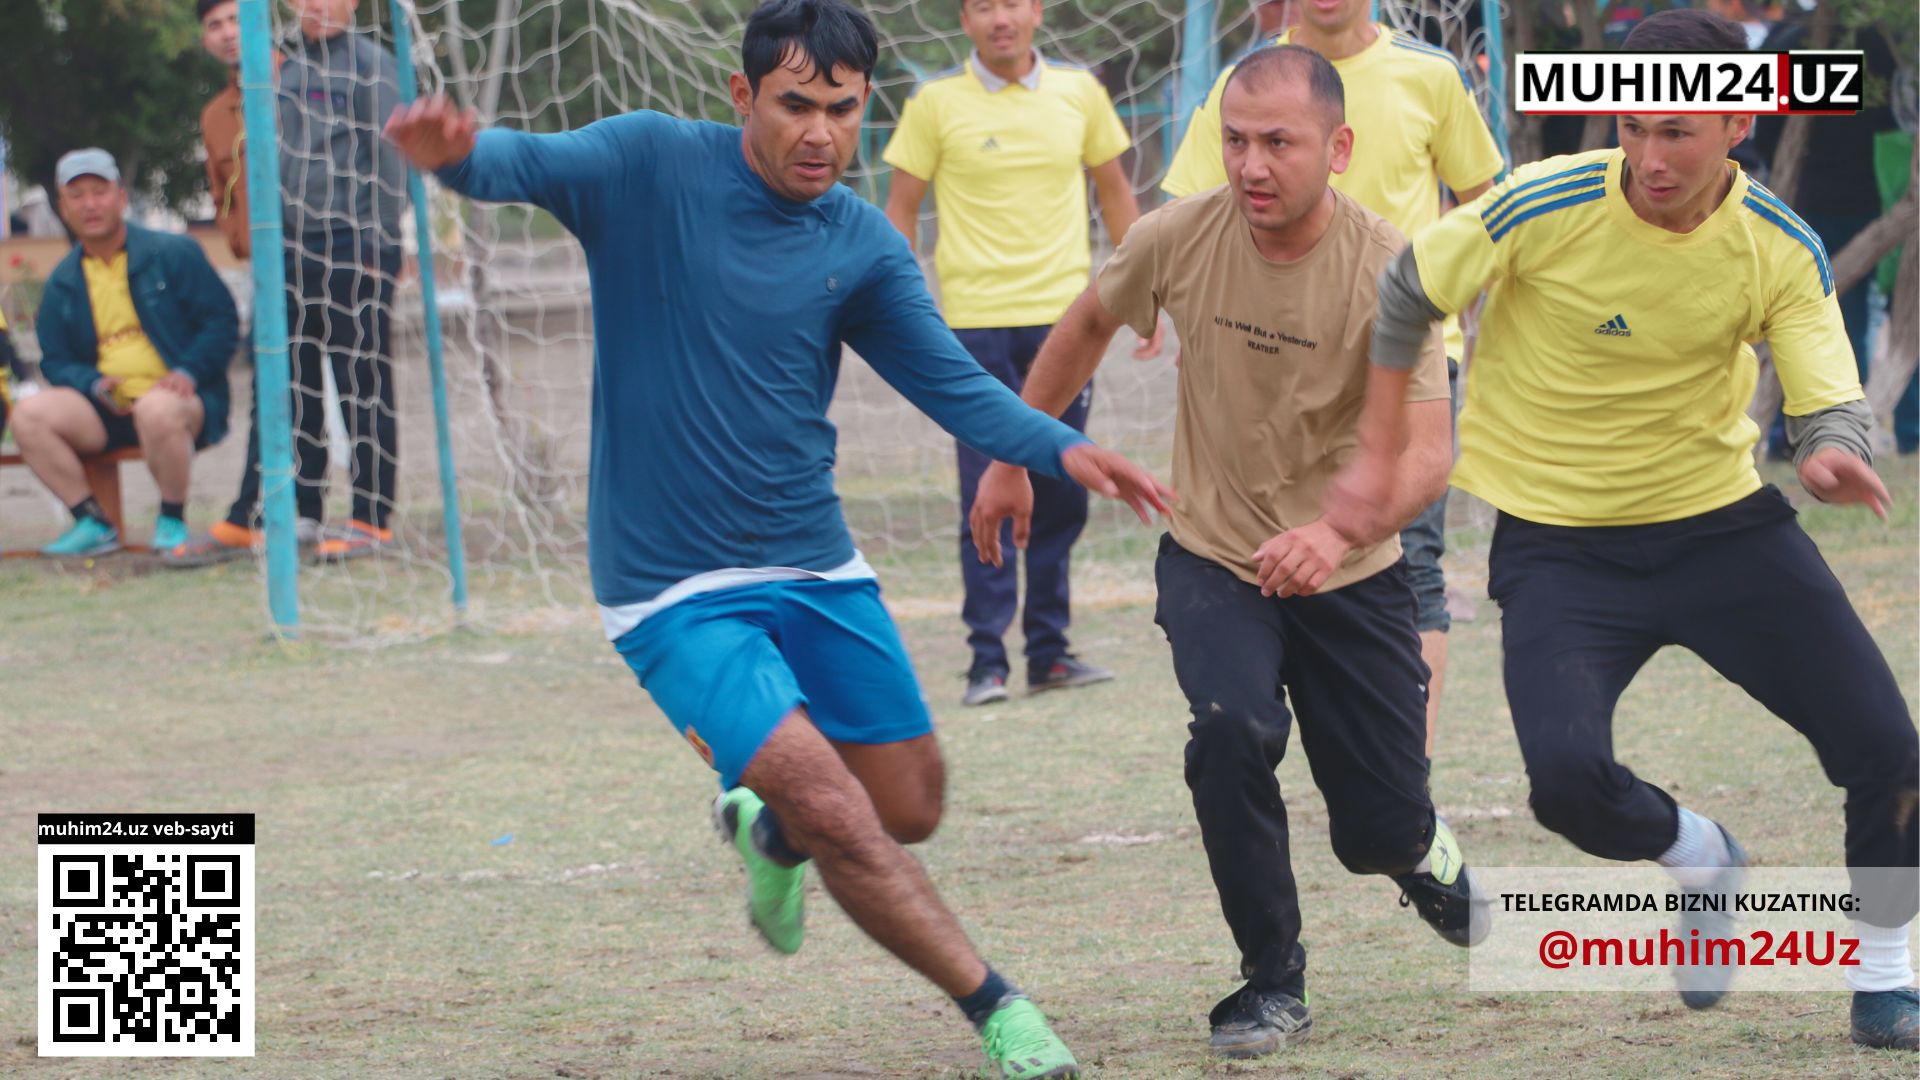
{"x":136,"y":330}
{"x":1007,"y":141}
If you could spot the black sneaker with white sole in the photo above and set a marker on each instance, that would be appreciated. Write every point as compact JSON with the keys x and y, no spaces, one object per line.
{"x":1253,"y":1023}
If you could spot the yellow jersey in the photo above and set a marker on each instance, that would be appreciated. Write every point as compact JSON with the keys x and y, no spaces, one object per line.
{"x":1415,"y":126}
{"x":124,"y":352}
{"x":1005,"y":162}
{"x":1614,"y":366}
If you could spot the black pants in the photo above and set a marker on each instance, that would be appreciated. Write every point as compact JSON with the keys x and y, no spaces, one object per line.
{"x":1059,"y":514}
{"x":340,"y":313}
{"x":1349,"y":660}
{"x":1744,"y":588}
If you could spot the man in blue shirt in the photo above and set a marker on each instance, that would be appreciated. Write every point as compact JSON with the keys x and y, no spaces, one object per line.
{"x":728,"y":266}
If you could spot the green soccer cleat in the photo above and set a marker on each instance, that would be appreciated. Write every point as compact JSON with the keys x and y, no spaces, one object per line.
{"x":1019,"y":1044}
{"x":776,"y":895}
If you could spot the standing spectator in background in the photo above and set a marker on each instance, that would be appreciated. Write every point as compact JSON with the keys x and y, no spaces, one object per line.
{"x":1004,"y":140}
{"x":345,"y":192}
{"x":224,"y":131}
{"x":136,"y":331}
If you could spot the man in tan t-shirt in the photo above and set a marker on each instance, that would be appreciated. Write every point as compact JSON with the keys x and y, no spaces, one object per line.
{"x":1270,"y":285}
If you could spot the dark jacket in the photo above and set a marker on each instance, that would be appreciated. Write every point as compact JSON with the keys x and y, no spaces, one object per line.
{"x":184,"y":308}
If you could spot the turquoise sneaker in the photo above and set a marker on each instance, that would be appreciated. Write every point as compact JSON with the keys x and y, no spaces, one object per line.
{"x":1020,"y":1044}
{"x":87,"y":538}
{"x":776,"y":895}
{"x":169,"y":533}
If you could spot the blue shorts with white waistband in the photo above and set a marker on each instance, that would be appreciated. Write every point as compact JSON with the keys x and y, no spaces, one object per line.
{"x":727,"y":666}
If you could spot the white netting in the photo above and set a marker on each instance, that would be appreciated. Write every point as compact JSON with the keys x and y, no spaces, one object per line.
{"x":515,"y":309}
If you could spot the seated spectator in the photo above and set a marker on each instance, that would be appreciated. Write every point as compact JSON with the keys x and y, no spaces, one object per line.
{"x":136,"y":330}
{"x":9,"y":370}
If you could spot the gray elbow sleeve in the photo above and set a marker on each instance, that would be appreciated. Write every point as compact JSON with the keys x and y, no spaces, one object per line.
{"x":1844,"y":425}
{"x":1405,"y":316}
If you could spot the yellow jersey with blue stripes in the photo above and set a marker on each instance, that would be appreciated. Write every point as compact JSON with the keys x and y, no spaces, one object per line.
{"x":1415,"y":126}
{"x":1614,"y":365}
{"x":1005,"y":164}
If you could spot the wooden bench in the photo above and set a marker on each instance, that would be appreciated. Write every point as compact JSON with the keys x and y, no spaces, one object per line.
{"x":103,"y":476}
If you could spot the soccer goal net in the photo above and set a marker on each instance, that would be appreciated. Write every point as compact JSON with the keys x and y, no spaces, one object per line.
{"x":515,"y":313}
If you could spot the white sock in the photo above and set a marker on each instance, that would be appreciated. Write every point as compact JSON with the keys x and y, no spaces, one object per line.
{"x":1698,"y":851}
{"x":1885,"y":963}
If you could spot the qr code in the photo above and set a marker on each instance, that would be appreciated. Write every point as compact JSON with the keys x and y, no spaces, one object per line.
{"x":146,"y":950}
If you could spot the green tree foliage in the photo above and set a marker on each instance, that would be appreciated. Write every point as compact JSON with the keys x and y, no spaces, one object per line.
{"x":126,"y":75}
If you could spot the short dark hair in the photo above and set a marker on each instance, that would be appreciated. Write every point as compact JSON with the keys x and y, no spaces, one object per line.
{"x":1262,"y":66}
{"x":829,"y":33}
{"x":201,"y":7}
{"x":1686,"y":30}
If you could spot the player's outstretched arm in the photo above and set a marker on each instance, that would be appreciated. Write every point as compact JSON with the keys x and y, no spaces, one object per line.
{"x":1300,"y":560}
{"x":1835,"y":476}
{"x":1358,"y":498}
{"x":1067,"y":359}
{"x":433,"y":133}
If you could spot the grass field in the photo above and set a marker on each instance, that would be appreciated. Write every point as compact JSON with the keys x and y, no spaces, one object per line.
{"x":396,"y":938}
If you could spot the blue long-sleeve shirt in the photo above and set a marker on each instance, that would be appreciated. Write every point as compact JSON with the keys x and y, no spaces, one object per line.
{"x":719,"y":310}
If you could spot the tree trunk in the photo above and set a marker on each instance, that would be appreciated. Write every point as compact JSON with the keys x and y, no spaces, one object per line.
{"x":1587,"y":15}
{"x":1524,"y":140}
{"x":1894,"y":368}
{"x":1791,"y":153}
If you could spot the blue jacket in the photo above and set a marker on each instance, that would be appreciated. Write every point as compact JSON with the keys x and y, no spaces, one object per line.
{"x":184,"y":308}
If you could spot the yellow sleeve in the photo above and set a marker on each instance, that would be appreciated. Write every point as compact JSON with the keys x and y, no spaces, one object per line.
{"x":915,"y":146}
{"x":1106,"y":136}
{"x":3,"y":322}
{"x":1197,"y":165}
{"x":1129,"y":284}
{"x":1455,"y":257}
{"x":1811,"y":350}
{"x":1464,"y":153}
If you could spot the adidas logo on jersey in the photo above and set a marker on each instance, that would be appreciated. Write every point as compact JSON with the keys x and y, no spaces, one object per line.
{"x":1614,"y":327}
{"x":991,"y":144}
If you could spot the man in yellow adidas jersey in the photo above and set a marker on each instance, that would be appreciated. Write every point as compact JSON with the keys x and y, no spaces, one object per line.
{"x":1004,"y":140}
{"x":1606,"y":419}
{"x":1415,"y":127}
{"x":136,"y":330}
{"x":1272,"y":617}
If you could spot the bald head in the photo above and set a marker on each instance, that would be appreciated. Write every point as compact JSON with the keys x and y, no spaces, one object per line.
{"x":1278,"y":65}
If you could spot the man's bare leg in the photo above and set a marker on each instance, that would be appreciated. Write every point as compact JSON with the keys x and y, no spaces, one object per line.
{"x":168,"y":423}
{"x":826,"y":814}
{"x":907,"y":782}
{"x":54,"y":429}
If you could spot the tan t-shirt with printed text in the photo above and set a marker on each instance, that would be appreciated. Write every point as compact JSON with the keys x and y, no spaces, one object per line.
{"x":1273,"y":370}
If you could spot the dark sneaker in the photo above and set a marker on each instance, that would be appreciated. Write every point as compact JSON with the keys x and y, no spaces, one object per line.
{"x":1252,"y":1023}
{"x":1887,"y":1019}
{"x":985,"y":688}
{"x":1702,"y":986}
{"x":1445,"y":896}
{"x":1063,"y":673}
